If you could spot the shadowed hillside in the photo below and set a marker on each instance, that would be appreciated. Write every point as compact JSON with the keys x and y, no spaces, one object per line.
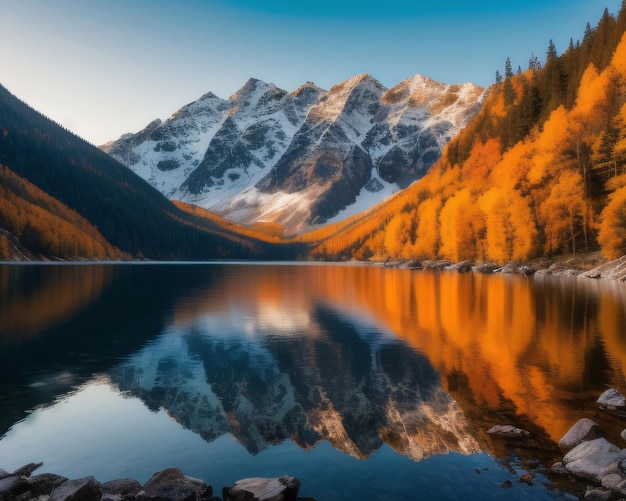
{"x":126,"y":211}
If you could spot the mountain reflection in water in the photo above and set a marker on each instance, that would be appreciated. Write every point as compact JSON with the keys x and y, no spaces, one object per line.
{"x":357,"y":356}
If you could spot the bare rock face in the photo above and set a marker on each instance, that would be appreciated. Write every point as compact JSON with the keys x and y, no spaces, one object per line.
{"x":264,"y":154}
{"x":263,"y":489}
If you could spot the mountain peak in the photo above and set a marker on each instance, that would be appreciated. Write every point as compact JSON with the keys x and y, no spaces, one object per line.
{"x":356,"y":81}
{"x":306,"y":88}
{"x":255,"y":94}
{"x":302,"y":157}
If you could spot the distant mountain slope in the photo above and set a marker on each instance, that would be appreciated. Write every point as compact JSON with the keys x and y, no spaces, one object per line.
{"x":129,"y":213}
{"x":299,"y":158}
{"x":540,"y":170}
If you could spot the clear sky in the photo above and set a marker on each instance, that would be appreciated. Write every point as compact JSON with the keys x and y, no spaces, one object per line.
{"x":103,"y":68}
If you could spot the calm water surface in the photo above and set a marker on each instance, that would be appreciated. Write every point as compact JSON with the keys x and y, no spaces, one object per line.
{"x":365,"y":383}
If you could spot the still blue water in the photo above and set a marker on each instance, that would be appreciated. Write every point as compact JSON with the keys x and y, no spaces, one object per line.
{"x":359,"y":381}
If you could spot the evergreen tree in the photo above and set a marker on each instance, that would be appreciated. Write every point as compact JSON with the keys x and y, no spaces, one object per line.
{"x":534,"y":63}
{"x":498,"y":77}
{"x":588,"y":36}
{"x":551,"y":52}
{"x":508,"y":70}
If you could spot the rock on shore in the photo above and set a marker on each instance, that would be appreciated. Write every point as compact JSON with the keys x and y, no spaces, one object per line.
{"x":168,"y":485}
{"x":591,"y":457}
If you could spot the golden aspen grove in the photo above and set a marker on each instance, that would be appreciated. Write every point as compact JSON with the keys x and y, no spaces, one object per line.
{"x":540,"y":171}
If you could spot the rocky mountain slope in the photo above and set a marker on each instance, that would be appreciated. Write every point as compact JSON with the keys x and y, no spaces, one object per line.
{"x":299,"y":158}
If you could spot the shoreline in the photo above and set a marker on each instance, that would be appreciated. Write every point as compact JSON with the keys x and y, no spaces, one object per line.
{"x":590,"y":265}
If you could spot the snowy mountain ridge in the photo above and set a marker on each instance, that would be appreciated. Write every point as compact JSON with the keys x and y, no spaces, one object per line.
{"x":301,"y":158}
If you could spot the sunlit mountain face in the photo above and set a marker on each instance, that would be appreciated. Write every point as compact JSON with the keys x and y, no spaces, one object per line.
{"x":299,"y":158}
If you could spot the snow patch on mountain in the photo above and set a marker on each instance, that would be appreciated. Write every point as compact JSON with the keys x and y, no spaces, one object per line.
{"x":302,"y":158}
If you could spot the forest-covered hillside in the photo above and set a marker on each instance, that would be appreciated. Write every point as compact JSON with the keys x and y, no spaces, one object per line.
{"x":541,"y":170}
{"x":94,"y":207}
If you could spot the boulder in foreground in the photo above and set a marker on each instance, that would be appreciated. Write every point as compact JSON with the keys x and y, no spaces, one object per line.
{"x":263,"y":489}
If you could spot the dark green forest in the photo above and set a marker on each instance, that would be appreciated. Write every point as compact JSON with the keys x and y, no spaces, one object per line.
{"x":128,"y":212}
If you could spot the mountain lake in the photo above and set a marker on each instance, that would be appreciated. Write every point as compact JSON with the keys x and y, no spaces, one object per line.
{"x":361,"y":381}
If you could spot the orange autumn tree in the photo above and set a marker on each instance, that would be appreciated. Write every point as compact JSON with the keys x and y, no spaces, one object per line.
{"x":536,"y":172}
{"x":612,"y":235}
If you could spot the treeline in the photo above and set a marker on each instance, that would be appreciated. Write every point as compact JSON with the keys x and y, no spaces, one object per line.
{"x":129,"y":213}
{"x":539,"y":171}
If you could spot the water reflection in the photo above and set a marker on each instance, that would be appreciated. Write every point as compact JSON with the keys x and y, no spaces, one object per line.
{"x":347,"y":384}
{"x":357,"y":357}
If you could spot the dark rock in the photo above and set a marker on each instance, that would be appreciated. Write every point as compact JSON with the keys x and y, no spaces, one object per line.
{"x":559,"y":468}
{"x":172,"y":485}
{"x":437,"y":265}
{"x":28,"y":469}
{"x":597,"y":494}
{"x":45,"y":484}
{"x":82,"y":489}
{"x":507,"y":484}
{"x":13,"y":486}
{"x":484,"y":268}
{"x":584,"y":430}
{"x":507,"y":431}
{"x":462,"y":267}
{"x":263,"y":489}
{"x":5,"y":474}
{"x":126,"y":488}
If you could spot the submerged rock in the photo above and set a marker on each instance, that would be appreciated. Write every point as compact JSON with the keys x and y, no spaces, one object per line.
{"x":507,"y":431}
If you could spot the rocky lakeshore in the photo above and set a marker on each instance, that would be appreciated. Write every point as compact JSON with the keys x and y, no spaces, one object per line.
{"x":167,"y":485}
{"x":588,"y":266}
{"x":588,"y":457}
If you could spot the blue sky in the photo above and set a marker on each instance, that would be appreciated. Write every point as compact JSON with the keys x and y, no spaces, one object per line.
{"x":106,"y":68}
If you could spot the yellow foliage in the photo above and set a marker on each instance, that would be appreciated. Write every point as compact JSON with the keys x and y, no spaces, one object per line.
{"x":30,"y":214}
{"x":619,"y":58}
{"x":461,"y":222}
{"x":427,"y":240}
{"x":612,"y":235}
{"x":483,"y":158}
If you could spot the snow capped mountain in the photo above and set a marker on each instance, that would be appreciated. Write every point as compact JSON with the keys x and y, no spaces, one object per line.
{"x":300,"y":158}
